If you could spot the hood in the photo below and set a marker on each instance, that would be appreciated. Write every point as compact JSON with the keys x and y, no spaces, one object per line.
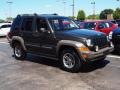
{"x":77,"y":34}
{"x":82,"y":33}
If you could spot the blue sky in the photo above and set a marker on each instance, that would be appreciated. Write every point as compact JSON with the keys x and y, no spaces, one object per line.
{"x":53,"y":6}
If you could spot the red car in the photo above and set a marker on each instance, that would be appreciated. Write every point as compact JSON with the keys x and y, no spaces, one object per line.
{"x":101,"y":26}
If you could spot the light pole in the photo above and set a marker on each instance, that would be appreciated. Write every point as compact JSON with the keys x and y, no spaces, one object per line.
{"x":10,"y":8}
{"x":93,"y":3}
{"x":73,"y":9}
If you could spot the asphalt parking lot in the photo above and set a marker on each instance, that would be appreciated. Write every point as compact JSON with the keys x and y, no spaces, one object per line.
{"x":36,"y":73}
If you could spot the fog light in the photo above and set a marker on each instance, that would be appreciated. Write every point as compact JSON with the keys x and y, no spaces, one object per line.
{"x":85,"y":56}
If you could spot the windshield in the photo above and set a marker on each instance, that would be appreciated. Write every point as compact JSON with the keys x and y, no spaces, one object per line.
{"x":62,"y":24}
{"x":90,"y":25}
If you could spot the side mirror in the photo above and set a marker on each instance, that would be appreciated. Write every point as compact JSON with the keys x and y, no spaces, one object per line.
{"x":43,"y":30}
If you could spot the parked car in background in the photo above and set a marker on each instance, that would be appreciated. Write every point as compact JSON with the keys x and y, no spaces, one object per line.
{"x":4,"y":28}
{"x":116,"y":39}
{"x":118,"y":22}
{"x":78,"y":22}
{"x":113,"y":21}
{"x":101,"y":26}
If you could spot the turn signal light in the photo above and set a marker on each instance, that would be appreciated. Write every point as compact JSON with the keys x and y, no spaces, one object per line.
{"x":84,"y":49}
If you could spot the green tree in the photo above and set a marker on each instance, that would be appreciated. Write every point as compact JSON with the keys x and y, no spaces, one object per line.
{"x":104,"y":13}
{"x":72,"y":17}
{"x":1,"y":21}
{"x":9,"y":19}
{"x":116,"y":13}
{"x":91,"y":17}
{"x":81,"y":15}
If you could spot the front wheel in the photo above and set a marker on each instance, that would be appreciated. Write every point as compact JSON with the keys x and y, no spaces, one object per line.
{"x":19,"y":52}
{"x":70,"y":61}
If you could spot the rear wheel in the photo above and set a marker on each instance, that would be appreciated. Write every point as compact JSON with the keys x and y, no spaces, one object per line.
{"x":70,"y":61}
{"x":19,"y":52}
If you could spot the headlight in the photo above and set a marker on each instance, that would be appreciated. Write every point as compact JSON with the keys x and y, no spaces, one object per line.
{"x":110,"y":35}
{"x":89,"y":42}
{"x":82,"y":47}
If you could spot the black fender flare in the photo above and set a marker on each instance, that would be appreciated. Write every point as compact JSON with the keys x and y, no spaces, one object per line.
{"x":76,"y":45}
{"x":18,"y":39}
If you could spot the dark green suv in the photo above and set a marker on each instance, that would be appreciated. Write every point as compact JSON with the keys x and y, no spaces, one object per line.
{"x":57,"y":37}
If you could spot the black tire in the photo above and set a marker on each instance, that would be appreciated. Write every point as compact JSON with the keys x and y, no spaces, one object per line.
{"x":19,"y":52}
{"x":73,"y":57}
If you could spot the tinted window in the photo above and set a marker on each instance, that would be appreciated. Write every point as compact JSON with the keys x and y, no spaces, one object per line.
{"x":114,"y":22}
{"x":27,"y":24}
{"x":62,"y":24}
{"x":90,"y":25}
{"x":16,"y":23}
{"x":42,"y":23}
{"x":105,"y":24}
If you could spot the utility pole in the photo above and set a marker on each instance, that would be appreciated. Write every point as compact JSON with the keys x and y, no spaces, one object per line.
{"x":93,"y":3}
{"x":10,"y":8}
{"x":73,"y":8}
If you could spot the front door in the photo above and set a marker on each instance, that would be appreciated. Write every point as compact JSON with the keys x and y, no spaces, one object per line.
{"x":47,"y":41}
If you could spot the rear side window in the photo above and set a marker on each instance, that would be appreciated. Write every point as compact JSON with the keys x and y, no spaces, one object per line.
{"x":27,"y":24}
{"x":16,"y":23}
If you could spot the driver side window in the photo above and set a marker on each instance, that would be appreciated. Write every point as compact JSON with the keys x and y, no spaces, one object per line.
{"x":42,"y":24}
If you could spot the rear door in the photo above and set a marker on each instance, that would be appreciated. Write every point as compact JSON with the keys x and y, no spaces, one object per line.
{"x":31,"y":39}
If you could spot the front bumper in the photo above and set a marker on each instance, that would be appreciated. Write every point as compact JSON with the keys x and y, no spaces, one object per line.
{"x":93,"y":56}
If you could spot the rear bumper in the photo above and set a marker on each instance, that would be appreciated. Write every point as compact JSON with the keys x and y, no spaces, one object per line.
{"x":93,"y":56}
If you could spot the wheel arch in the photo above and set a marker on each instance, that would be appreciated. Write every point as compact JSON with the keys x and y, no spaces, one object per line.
{"x":17,"y":39}
{"x":64,"y":44}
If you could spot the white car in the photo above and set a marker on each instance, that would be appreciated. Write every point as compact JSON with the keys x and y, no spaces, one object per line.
{"x":4,"y":28}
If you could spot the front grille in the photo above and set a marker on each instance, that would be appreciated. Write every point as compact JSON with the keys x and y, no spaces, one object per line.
{"x":100,"y":41}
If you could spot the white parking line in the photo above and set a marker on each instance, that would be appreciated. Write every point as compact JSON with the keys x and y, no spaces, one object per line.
{"x":113,"y":56}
